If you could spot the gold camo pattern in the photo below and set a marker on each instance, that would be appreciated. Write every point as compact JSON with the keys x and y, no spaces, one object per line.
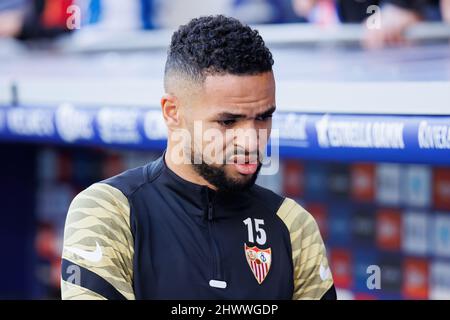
{"x":308,"y":251}
{"x":100,"y":214}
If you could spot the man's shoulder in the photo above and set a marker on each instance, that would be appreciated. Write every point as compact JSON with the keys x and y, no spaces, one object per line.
{"x":99,"y":196}
{"x":266,"y":196}
{"x":296,"y":217}
{"x":131,"y":180}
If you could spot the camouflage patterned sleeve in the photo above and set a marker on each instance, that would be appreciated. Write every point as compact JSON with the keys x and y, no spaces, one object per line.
{"x":97,"y":259}
{"x":312,"y":275}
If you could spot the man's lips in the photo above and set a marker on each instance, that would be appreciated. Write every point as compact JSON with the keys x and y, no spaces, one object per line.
{"x":245,"y":164}
{"x":246,"y":168}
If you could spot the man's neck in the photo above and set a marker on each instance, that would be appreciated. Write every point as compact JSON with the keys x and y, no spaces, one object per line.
{"x":185,"y":171}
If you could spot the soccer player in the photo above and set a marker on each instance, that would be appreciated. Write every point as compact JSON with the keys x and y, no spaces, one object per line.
{"x":199,"y":228}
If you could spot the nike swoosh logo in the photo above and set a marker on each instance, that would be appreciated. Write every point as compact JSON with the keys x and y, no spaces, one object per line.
{"x":92,"y":256}
{"x":325,"y":273}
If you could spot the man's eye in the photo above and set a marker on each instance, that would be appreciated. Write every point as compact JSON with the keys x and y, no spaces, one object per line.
{"x":264,"y":118}
{"x":226,"y":123}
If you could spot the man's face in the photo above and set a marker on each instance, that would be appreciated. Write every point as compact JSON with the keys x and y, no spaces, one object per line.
{"x":230,"y":122}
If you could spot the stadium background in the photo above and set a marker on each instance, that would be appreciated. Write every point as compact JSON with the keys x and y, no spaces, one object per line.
{"x":82,"y":107}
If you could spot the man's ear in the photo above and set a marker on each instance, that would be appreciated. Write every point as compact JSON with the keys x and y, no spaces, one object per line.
{"x":170,"y":110}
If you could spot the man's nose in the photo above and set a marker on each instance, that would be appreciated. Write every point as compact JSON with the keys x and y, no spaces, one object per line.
{"x":247,"y":138}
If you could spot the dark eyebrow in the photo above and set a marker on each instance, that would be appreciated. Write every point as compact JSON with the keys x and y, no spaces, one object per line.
{"x":268,"y":112}
{"x":232,"y":116}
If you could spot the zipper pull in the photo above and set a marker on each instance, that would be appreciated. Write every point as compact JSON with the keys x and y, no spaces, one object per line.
{"x":218,"y":284}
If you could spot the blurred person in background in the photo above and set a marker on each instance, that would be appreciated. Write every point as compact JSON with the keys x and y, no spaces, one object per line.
{"x":11,"y":17}
{"x":396,"y":16}
{"x":33,"y":19}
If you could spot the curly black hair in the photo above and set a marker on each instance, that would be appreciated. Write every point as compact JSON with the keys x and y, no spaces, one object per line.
{"x":217,"y":45}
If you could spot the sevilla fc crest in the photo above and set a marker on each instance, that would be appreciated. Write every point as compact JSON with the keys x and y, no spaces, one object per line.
{"x":259,"y":261}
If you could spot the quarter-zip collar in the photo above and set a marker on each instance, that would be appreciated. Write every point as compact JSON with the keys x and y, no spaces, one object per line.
{"x":224,"y":205}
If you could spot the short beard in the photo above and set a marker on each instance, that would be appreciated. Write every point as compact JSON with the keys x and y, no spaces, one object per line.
{"x":217,"y":177}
